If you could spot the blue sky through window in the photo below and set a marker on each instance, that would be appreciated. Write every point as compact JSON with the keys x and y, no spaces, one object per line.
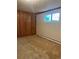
{"x":47,"y":18}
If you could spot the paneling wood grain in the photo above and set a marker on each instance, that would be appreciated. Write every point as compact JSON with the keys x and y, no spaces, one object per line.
{"x":25,"y":23}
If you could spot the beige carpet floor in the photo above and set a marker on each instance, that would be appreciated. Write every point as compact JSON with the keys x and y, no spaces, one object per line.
{"x":35,"y":47}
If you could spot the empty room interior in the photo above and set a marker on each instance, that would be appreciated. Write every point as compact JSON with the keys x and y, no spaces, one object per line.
{"x":38,"y":29}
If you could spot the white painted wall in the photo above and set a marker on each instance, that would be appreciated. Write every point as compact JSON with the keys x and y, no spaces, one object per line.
{"x":50,"y":30}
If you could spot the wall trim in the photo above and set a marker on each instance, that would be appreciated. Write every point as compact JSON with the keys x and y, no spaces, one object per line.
{"x":50,"y":39}
{"x":47,"y":10}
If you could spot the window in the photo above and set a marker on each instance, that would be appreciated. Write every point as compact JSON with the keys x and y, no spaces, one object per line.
{"x":47,"y":18}
{"x":55,"y":16}
{"x":52,"y":17}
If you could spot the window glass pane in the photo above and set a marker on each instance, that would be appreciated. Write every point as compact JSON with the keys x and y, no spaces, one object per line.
{"x":47,"y":18}
{"x":55,"y":16}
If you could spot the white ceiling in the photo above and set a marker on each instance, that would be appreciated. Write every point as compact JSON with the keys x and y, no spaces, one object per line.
{"x":37,"y":5}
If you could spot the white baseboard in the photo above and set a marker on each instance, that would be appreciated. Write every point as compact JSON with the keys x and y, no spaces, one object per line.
{"x":50,"y":39}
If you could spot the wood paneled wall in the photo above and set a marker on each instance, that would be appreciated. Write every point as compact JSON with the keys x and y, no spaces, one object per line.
{"x":26,"y":24}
